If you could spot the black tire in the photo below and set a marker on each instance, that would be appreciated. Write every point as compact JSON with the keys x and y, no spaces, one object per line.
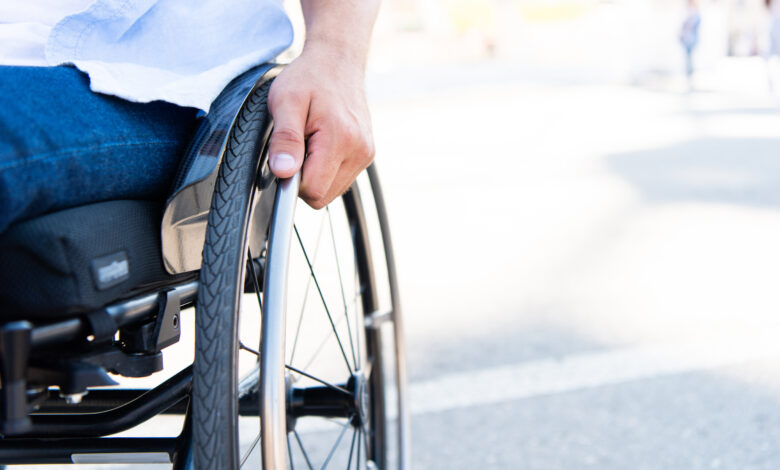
{"x":215,"y":376}
{"x":237,"y":228}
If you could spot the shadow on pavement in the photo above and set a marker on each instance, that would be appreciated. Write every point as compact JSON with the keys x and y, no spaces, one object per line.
{"x":492,"y":347}
{"x":720,"y":170}
{"x":700,"y":420}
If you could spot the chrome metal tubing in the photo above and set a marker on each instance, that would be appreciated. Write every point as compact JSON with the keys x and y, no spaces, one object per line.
{"x":273,"y":419}
{"x":398,"y":328}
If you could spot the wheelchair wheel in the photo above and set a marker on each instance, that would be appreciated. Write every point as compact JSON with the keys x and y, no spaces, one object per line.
{"x":327,"y":378}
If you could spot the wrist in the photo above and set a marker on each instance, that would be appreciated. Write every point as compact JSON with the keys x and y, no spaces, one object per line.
{"x":340,"y":29}
{"x":347,"y":55}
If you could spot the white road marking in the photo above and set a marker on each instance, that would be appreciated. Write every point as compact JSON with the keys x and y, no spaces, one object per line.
{"x":550,"y":376}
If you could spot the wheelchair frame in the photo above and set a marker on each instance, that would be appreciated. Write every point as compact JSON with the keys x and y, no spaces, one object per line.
{"x":45,"y":435}
{"x":38,"y":428}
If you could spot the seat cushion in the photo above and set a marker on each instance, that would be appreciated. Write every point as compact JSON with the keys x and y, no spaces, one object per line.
{"x":80,"y":259}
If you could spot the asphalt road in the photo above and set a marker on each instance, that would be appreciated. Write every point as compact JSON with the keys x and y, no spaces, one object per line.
{"x":589,"y":271}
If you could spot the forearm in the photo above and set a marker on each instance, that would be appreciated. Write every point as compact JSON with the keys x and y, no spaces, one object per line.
{"x":318,"y":102}
{"x":340,"y":29}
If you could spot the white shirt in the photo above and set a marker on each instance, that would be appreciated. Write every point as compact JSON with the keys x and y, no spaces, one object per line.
{"x":180,"y":51}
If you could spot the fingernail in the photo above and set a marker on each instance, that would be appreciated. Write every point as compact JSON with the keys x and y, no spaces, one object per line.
{"x":282,"y":162}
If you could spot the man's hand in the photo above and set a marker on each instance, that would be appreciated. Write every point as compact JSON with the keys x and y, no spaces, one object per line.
{"x":318,"y":102}
{"x":320,"y":111}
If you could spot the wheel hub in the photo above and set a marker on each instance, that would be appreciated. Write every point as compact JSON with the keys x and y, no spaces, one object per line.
{"x":349,"y":400}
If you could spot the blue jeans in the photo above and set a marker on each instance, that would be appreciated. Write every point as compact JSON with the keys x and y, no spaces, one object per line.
{"x":62,"y":145}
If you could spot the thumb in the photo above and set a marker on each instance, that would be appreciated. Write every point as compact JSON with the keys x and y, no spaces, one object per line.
{"x":287,"y":145}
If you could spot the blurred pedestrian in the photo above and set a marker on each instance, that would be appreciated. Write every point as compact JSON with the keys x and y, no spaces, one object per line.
{"x":689,"y":36}
{"x":773,"y":46}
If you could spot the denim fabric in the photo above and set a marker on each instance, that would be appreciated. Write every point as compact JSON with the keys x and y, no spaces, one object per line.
{"x":62,"y":145}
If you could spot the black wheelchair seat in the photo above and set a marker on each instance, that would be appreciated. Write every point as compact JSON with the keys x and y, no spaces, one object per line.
{"x":80,"y":259}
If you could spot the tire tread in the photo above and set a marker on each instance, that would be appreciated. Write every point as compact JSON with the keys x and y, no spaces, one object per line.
{"x":214,"y":381}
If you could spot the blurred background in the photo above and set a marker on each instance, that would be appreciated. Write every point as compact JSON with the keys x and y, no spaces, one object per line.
{"x":588,"y":236}
{"x":584,"y":197}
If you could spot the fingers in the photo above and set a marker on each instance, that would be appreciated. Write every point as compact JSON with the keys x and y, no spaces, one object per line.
{"x":287,"y":145}
{"x":347,"y":174}
{"x":320,"y":169}
{"x":329,"y":124}
{"x":337,"y":153}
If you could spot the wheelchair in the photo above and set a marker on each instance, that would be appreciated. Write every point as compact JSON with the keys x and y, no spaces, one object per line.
{"x":298,"y":349}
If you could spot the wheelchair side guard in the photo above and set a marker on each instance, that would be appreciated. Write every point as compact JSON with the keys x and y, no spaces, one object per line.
{"x":28,"y":366}
{"x":186,"y":210}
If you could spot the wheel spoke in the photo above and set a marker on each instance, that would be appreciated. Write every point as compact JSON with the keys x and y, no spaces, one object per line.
{"x":336,"y":445}
{"x":289,"y":452}
{"x":341,"y":285}
{"x":306,"y":292}
{"x":321,"y":345}
{"x":352,"y":449}
{"x":361,"y":449}
{"x":248,"y":349}
{"x":322,"y":297}
{"x":336,"y":421}
{"x":327,"y":384}
{"x":300,"y":445}
{"x":251,"y":448}
{"x":359,"y":446}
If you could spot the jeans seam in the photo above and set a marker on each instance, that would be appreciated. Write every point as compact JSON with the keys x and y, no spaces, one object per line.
{"x":59,"y":153}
